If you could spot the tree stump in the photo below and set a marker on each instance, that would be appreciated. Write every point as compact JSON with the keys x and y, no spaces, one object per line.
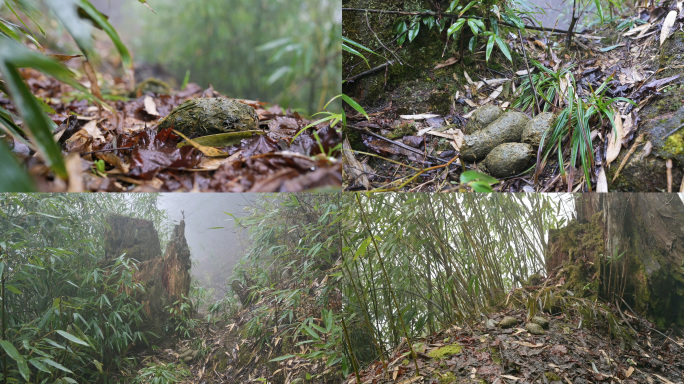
{"x":166,"y":278}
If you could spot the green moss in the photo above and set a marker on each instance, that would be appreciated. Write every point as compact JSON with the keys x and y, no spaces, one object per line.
{"x":496,"y":356}
{"x":552,"y":376}
{"x":674,"y":144}
{"x":447,"y":378}
{"x":402,"y":130}
{"x":445,"y":351}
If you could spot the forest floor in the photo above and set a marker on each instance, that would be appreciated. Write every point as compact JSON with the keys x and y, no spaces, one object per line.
{"x":121,"y":150}
{"x":584,"y":344}
{"x":420,"y":151}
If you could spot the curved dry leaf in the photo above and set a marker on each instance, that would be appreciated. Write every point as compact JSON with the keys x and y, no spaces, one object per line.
{"x":207,"y":151}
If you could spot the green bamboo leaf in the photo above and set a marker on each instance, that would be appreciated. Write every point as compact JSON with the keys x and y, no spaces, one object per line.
{"x":467,"y":7}
{"x":6,"y":30}
{"x":490,"y":46}
{"x":472,"y":23}
{"x":413,"y":32}
{"x":40,"y":126}
{"x":456,"y":27}
{"x":13,"y":177}
{"x":352,"y":104}
{"x":504,"y":48}
{"x":469,"y":176}
{"x":41,"y":367}
{"x":56,"y":365}
{"x":79,"y":28}
{"x":13,"y":289}
{"x":16,"y":356}
{"x":98,"y":365}
{"x":281,"y":358}
{"x":72,"y":338}
{"x":109,"y":30}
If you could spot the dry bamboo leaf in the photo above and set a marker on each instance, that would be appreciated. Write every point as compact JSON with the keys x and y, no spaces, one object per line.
{"x":629,"y":372}
{"x":493,"y":95}
{"x":207,"y":151}
{"x":448,"y":62}
{"x":638,"y":29}
{"x":353,"y":166}
{"x":92,"y":77}
{"x":628,"y":127}
{"x":468,"y":79}
{"x":418,"y":117}
{"x":615,"y":140}
{"x":667,"y":26}
{"x":470,"y":102}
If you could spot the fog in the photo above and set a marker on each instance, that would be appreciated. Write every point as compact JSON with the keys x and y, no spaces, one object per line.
{"x":214,"y":251}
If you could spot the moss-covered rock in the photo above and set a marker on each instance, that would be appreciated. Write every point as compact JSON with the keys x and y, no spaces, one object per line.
{"x":402,"y":130}
{"x":662,"y":115}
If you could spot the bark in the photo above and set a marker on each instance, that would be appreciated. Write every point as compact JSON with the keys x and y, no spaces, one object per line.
{"x":634,"y":245}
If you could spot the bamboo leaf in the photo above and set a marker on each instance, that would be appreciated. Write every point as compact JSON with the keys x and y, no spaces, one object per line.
{"x":72,"y":338}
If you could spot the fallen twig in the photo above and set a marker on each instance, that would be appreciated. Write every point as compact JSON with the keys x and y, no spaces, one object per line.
{"x":638,"y":141}
{"x":398,"y":144}
{"x":405,"y":183}
{"x":369,"y":72}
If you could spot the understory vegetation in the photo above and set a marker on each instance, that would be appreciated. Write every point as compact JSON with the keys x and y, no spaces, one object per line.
{"x":67,"y":318}
{"x":416,"y":264}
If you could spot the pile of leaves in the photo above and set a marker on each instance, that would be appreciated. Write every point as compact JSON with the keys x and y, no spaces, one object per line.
{"x":573,"y":349}
{"x":122,"y":151}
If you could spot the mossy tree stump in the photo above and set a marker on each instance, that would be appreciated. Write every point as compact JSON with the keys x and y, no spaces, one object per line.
{"x":625,"y":247}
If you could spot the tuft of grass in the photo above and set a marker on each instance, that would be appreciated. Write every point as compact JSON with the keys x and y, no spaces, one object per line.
{"x":581,"y":111}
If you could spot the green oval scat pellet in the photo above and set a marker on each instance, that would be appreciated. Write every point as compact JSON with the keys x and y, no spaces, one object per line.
{"x":223,"y":139}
